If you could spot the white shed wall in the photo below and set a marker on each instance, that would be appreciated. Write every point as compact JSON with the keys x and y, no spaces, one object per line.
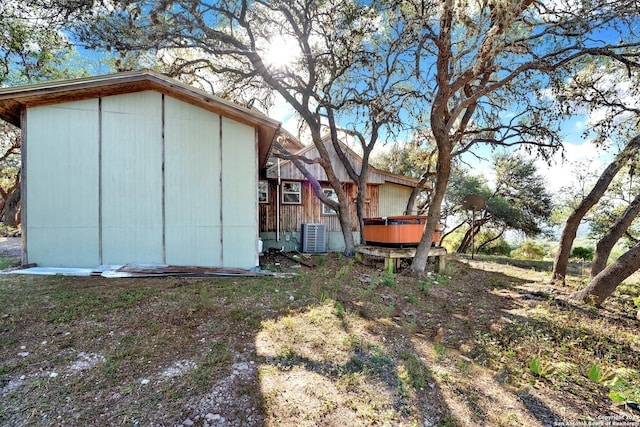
{"x":140,"y":178}
{"x":62,"y":219}
{"x":240,"y":204}
{"x":393,"y":199}
{"x":132,"y":228}
{"x":192,"y":185}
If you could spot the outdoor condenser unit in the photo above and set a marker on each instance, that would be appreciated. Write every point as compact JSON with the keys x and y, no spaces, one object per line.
{"x":314,"y":238}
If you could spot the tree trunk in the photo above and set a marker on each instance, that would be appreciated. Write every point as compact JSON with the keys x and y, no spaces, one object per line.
{"x":573,"y":222}
{"x":347,"y":231}
{"x":466,"y":240}
{"x":359,"y":178}
{"x":608,"y":241}
{"x":493,"y":239}
{"x":10,"y":214}
{"x":470,"y":235}
{"x":445,"y":235}
{"x":344,"y":215}
{"x":360,"y":205}
{"x":443,"y":169}
{"x":603,"y":285}
{"x":411,"y":203}
{"x":361,"y":196}
{"x":343,"y":206}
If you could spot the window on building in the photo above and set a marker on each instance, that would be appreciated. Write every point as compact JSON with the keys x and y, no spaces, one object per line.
{"x":331,"y":194}
{"x":291,"y":192}
{"x":263,"y":192}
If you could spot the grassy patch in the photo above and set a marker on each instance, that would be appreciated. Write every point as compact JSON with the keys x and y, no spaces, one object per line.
{"x":8,"y":262}
{"x":343,"y":343}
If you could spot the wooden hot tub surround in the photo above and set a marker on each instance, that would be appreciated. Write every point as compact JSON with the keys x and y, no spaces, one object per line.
{"x":396,"y":237}
{"x":396,"y":231}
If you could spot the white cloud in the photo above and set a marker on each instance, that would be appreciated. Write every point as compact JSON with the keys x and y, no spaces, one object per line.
{"x":563,"y":172}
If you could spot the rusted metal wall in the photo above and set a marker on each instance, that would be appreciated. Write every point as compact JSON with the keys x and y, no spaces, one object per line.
{"x":62,"y":219}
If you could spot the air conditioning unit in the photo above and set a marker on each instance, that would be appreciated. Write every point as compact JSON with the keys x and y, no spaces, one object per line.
{"x":314,"y":238}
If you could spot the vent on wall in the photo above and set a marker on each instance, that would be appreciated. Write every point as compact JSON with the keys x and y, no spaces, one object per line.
{"x":314,"y":238}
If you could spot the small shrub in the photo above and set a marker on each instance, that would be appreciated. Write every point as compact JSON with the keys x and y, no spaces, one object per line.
{"x":582,"y":253}
{"x":500,"y":247}
{"x":529,"y":250}
{"x":411,"y":299}
{"x":433,"y":280}
{"x":340,"y":310}
{"x":416,"y":373}
{"x":540,"y":369}
{"x":344,"y":273}
{"x":601,"y":375}
{"x":388,"y":279}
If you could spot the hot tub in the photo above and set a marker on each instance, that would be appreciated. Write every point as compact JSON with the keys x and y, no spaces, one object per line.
{"x":396,"y":231}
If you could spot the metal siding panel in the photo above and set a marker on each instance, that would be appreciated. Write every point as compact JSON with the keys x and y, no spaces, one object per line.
{"x":239,"y":210}
{"x":393,"y":199}
{"x":62,"y":193}
{"x":192,"y":189}
{"x":132,"y":178}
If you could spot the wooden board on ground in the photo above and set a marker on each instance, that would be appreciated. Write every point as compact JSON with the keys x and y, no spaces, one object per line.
{"x":393,"y":256}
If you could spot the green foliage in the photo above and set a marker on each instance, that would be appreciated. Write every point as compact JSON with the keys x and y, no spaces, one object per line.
{"x":433,"y":280}
{"x":498,"y":247}
{"x":612,"y":205}
{"x":542,"y":369}
{"x":411,"y":299}
{"x":31,"y":51}
{"x":529,"y":250}
{"x":384,"y":278}
{"x":319,"y":260}
{"x":415,"y":372}
{"x":601,"y":375}
{"x":525,"y":190}
{"x":388,"y":279}
{"x":439,"y":349}
{"x":5,"y":263}
{"x":518,"y":201}
{"x":340,"y":310}
{"x":453,"y":240}
{"x":619,"y":389}
{"x":582,"y":253}
{"x":344,"y":273}
{"x":408,"y":159}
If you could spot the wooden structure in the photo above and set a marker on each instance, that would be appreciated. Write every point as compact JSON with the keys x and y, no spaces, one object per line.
{"x":393,"y":256}
{"x":289,"y":200}
{"x":137,"y":168}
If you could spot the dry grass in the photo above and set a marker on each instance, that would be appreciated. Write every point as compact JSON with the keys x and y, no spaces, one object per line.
{"x":340,"y":344}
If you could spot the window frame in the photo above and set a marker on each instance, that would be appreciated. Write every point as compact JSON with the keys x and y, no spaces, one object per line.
{"x":290,"y":193}
{"x":326,"y":210}
{"x":263,"y":191}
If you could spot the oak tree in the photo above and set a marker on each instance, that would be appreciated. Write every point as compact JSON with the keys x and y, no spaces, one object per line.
{"x":340,"y":65}
{"x":478,"y":58}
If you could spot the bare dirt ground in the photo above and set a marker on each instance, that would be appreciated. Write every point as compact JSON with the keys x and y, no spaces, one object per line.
{"x":333,"y":342}
{"x":10,"y":247}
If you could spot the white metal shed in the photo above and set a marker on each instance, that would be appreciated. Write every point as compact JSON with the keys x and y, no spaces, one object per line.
{"x":137,"y":168}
